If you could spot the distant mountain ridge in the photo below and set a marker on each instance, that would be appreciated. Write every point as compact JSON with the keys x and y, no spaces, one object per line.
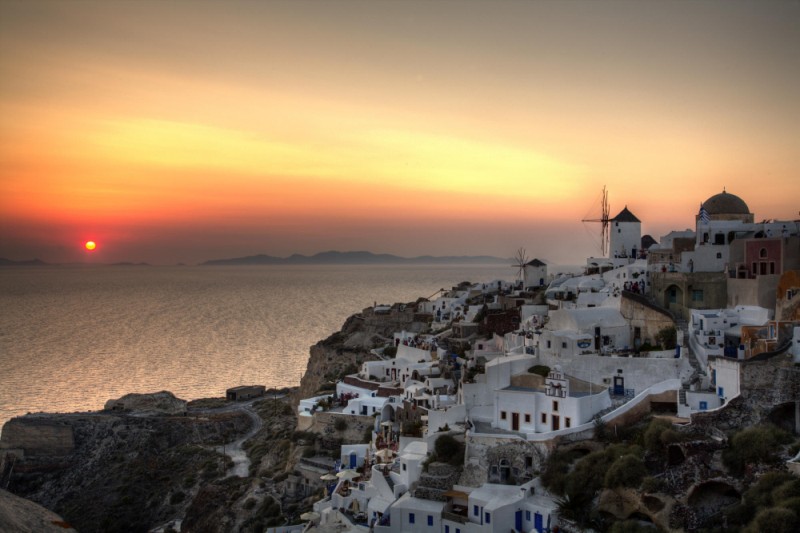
{"x":352,"y":258}
{"x":28,"y":262}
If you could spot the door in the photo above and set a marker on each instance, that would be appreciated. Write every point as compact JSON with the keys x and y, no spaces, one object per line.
{"x":353,"y":460}
{"x":619,"y":386}
{"x":514,"y":421}
{"x":556,"y":422}
{"x":538,"y":523}
{"x":518,"y":521}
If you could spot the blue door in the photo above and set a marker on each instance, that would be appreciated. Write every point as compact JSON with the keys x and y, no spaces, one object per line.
{"x":518,"y":521}
{"x":538,"y":523}
{"x":703,"y":406}
{"x":619,"y":386}
{"x":353,"y":459}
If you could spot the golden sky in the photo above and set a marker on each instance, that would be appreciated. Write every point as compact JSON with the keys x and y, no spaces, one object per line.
{"x":184,"y":131}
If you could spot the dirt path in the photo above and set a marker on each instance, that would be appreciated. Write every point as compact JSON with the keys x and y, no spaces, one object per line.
{"x":234,"y":450}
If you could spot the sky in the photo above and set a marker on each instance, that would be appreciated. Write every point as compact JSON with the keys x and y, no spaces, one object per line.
{"x":183,"y":131}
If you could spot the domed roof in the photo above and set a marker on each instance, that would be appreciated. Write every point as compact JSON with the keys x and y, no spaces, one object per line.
{"x":725,"y":203}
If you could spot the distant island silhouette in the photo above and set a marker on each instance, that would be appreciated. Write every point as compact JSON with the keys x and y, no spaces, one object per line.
{"x":352,"y":258}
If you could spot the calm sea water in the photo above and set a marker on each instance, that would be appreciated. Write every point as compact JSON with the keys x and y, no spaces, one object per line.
{"x":73,"y":337}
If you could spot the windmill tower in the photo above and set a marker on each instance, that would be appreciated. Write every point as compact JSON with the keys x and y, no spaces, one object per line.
{"x":604,"y":220}
{"x":521,"y":260}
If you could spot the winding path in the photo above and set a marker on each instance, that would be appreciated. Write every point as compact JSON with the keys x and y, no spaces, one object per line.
{"x":241,"y":463}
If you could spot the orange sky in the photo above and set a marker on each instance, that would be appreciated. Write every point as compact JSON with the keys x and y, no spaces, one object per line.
{"x":181,"y":131}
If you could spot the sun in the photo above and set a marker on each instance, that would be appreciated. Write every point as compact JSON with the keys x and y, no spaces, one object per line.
{"x":90,"y":245}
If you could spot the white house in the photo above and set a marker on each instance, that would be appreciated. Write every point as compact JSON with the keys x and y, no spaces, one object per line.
{"x":562,"y":403}
{"x":574,"y":332}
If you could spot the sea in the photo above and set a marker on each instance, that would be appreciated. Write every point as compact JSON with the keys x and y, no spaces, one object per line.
{"x":73,"y":337}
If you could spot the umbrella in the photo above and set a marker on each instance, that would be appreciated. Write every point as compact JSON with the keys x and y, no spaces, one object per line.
{"x":348,"y":474}
{"x":310,"y":516}
{"x":328,"y":477}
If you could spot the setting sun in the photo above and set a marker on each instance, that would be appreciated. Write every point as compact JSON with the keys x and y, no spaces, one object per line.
{"x":90,"y":245}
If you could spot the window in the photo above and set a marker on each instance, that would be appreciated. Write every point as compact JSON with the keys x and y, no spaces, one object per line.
{"x":720,"y":391}
{"x":567,"y":422}
{"x":719,"y":255}
{"x":697,"y":295}
{"x":502,"y":415}
{"x":555,"y":406}
{"x":404,"y":467}
{"x":488,"y":519}
{"x":544,"y":418}
{"x":527,"y":418}
{"x":430,"y":519}
{"x":548,"y":342}
{"x":528,"y":461}
{"x":411,"y":518}
{"x":475,"y":511}
{"x":528,"y":516}
{"x":762,"y":252}
{"x":446,"y":528}
{"x":563,"y":344}
{"x":772,"y":267}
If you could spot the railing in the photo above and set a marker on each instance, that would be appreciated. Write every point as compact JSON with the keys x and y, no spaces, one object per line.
{"x":449,"y":515}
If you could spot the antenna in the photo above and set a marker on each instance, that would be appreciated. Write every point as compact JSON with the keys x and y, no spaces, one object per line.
{"x":521,"y":260}
{"x":603,"y":220}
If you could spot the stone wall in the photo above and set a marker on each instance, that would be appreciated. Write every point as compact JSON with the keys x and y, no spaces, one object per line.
{"x":764,"y":386}
{"x":643,"y":315}
{"x":483,"y":452}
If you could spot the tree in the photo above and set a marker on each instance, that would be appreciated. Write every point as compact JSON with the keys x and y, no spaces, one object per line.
{"x":667,"y":337}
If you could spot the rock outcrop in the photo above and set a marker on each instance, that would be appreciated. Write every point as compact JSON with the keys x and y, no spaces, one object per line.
{"x":23,"y":516}
{"x":154,"y":403}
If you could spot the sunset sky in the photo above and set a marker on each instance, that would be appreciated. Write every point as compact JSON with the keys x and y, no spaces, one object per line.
{"x":177,"y":131}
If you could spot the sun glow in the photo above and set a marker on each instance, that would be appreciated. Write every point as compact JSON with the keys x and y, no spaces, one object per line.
{"x":90,"y":245}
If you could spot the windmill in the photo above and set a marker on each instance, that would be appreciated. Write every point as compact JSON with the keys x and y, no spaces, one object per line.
{"x":521,"y":260}
{"x":604,"y":210}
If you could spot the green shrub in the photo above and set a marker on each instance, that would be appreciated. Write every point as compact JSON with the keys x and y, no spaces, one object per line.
{"x":449,"y":450}
{"x":652,"y":484}
{"x":752,"y":446}
{"x":390,"y":351}
{"x":627,"y":471}
{"x":658,"y":435}
{"x":340,"y":424}
{"x":774,"y":520}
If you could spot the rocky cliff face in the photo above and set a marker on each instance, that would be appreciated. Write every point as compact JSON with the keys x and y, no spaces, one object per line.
{"x":344,"y":351}
{"x":115,"y":472}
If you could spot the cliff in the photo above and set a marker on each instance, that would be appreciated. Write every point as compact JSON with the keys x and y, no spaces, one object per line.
{"x":343,"y":352}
